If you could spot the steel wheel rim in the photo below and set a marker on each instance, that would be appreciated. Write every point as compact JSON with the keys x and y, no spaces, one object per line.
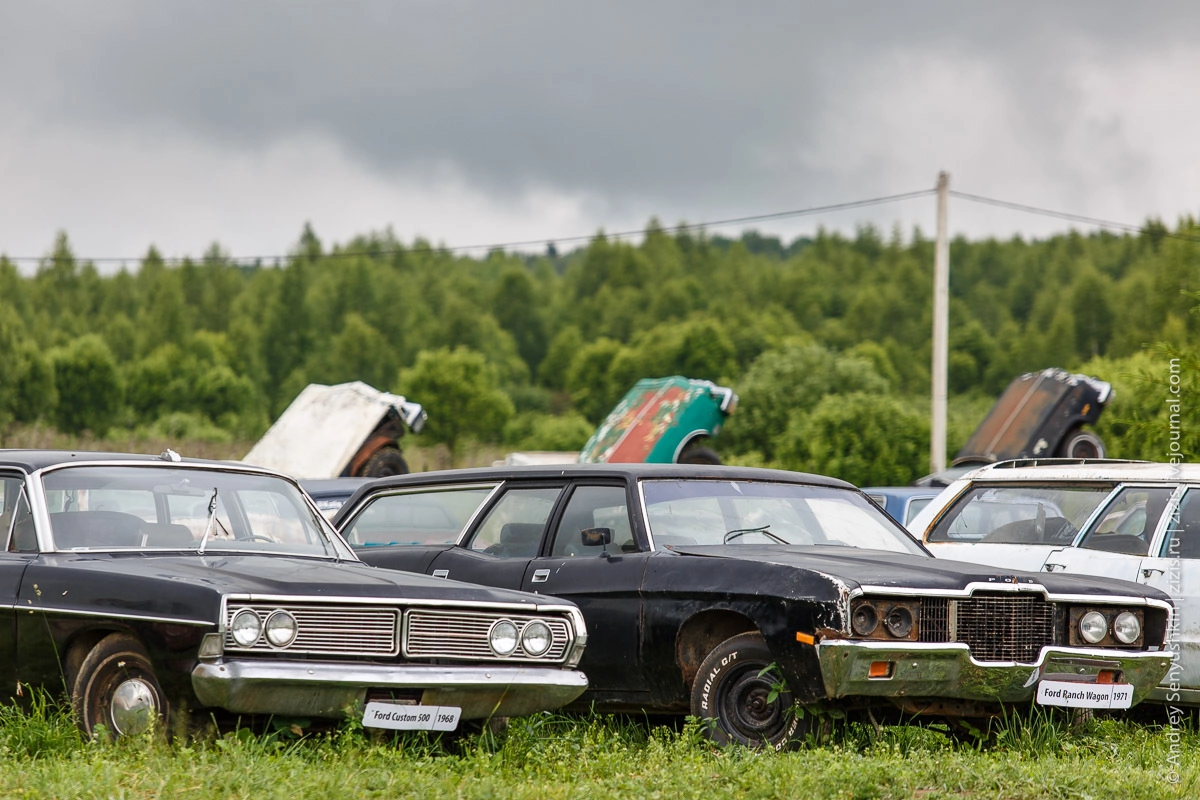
{"x":747,"y":708}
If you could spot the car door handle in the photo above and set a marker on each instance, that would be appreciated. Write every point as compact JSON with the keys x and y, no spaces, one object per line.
{"x":441,"y":573}
{"x":1148,"y":571}
{"x":541,"y":575}
{"x":1052,"y":567}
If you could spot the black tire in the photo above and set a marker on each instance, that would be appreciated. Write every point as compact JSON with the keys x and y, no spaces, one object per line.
{"x":697,"y":454}
{"x":732,"y":692}
{"x":117,"y":691}
{"x":1081,"y":444}
{"x":387,"y":461}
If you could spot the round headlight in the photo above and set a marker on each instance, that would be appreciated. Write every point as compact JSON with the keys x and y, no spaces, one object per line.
{"x":280,"y":628}
{"x":864,"y":620}
{"x":1126,"y":627}
{"x":246,"y":627}
{"x":536,"y":638}
{"x":503,"y":637}
{"x":899,"y":622}
{"x":1093,"y":627}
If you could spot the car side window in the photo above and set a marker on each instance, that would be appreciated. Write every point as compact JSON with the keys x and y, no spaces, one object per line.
{"x":594,"y":507}
{"x":1183,"y":535}
{"x":16,"y":519}
{"x":514,"y":526}
{"x":416,"y":518}
{"x":1128,"y":524}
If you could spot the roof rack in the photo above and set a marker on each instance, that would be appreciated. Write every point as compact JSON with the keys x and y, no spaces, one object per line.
{"x":1013,"y":463}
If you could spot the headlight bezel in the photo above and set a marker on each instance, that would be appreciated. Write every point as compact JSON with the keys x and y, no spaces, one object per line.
{"x":1109,"y":614}
{"x":532,"y":628}
{"x":884,"y":609}
{"x":500,"y":628}
{"x":277,"y":615}
{"x":238,"y":631}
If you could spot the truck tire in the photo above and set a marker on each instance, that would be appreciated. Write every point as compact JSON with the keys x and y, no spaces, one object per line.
{"x":743,"y":698}
{"x":698,"y":454}
{"x":1081,"y":444}
{"x":387,"y":461}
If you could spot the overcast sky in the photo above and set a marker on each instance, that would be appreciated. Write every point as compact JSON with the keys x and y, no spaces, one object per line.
{"x":180,"y":124}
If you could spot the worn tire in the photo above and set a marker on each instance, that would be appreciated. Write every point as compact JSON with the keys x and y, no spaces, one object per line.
{"x":1081,"y":444}
{"x":387,"y":461}
{"x":697,"y":454}
{"x":116,"y":690}
{"x":733,"y":698}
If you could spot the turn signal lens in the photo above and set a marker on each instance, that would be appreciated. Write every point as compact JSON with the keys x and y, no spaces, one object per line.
{"x":1093,"y":627}
{"x":1126,"y":627}
{"x":880,"y":669}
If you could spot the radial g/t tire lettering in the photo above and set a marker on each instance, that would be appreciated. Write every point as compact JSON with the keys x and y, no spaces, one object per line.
{"x":733,"y":692}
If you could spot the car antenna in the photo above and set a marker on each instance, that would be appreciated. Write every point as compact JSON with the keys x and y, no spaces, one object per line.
{"x":212,"y":517}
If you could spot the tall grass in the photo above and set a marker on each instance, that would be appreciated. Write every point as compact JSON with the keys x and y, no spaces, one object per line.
{"x":557,"y":756}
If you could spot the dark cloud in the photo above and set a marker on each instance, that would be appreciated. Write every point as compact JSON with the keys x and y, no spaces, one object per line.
{"x":691,"y":108}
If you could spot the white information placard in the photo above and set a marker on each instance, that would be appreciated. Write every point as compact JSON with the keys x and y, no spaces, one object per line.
{"x":1085,"y":695}
{"x":411,"y":718}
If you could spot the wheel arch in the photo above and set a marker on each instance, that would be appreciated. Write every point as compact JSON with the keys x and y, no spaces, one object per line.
{"x":703,"y":631}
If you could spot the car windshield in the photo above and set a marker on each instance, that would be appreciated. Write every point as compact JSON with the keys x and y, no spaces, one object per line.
{"x":182,"y":508}
{"x":1020,"y":514}
{"x":684,"y":512}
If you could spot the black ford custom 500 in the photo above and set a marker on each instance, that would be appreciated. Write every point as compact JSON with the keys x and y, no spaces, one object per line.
{"x":148,"y":585}
{"x":709,"y":589}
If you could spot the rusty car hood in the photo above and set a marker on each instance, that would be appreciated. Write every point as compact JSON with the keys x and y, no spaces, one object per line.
{"x":856,"y":568}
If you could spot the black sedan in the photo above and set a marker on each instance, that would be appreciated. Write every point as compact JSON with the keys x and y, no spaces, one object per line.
{"x":736,"y":594}
{"x":147,"y":586}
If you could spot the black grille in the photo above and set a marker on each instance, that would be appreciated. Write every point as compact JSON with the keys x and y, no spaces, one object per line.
{"x":934,"y":622}
{"x":1005,"y":627}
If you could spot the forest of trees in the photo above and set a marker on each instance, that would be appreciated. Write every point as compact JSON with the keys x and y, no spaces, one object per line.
{"x":826,"y":339}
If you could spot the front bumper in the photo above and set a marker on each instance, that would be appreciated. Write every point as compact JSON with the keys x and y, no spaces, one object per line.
{"x":947,"y":671}
{"x":323,"y":689}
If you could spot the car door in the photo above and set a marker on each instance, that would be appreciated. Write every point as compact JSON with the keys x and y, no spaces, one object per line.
{"x":1120,"y":537}
{"x":408,"y":528}
{"x":1174,"y":567}
{"x":604,"y":580}
{"x":20,"y":547}
{"x":507,"y":536}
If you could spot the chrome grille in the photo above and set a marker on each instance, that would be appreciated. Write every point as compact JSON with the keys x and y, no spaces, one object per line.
{"x":344,"y":630}
{"x":933,"y":623}
{"x":1008,"y":627}
{"x":432,"y":633}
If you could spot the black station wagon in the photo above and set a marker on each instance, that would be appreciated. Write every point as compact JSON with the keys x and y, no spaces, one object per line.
{"x":708,"y":589}
{"x":144,"y":586}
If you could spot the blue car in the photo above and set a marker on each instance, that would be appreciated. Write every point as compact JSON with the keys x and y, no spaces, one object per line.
{"x":902,"y":503}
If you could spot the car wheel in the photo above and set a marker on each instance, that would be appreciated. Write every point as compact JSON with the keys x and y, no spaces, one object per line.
{"x":387,"y":461}
{"x":116,"y":689}
{"x":695,"y":454}
{"x":743,"y":698}
{"x":1082,"y":444}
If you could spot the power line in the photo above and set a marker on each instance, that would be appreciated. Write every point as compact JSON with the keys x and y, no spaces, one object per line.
{"x":874,"y":201}
{"x":1048,"y":212}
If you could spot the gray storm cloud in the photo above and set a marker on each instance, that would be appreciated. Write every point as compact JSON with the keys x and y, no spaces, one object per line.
{"x":678,"y":109}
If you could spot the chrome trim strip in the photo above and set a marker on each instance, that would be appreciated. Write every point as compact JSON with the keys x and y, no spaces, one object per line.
{"x":1027,"y":588}
{"x":16,"y":607}
{"x":402,"y":603}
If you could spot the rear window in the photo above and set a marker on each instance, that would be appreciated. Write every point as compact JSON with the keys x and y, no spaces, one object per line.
{"x":1020,"y":514}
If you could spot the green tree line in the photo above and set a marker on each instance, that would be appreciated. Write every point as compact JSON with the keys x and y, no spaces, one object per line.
{"x":826,"y":339}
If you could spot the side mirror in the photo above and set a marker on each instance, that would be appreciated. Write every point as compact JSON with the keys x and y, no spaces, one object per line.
{"x":596,"y":537}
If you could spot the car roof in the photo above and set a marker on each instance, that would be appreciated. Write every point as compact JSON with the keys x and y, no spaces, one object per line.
{"x":31,"y":460}
{"x":904,"y":491}
{"x":622,"y":471}
{"x":1086,"y":470}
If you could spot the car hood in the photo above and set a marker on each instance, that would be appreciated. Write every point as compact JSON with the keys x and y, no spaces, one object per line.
{"x":190,"y":586}
{"x":856,"y":568}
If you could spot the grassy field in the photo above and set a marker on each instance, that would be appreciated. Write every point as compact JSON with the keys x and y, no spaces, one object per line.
{"x":41,"y":755}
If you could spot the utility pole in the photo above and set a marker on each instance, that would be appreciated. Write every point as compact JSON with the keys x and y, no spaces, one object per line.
{"x":941,"y":328}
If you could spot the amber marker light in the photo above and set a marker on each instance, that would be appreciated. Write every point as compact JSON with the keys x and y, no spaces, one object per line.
{"x":880,"y":669}
{"x":804,"y":638}
{"x":1108,"y":676}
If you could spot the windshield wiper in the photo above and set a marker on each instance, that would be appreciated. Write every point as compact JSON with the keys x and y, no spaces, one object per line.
{"x":736,"y":532}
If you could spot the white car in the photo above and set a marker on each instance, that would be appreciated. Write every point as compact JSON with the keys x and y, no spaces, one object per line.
{"x":1138,"y":521}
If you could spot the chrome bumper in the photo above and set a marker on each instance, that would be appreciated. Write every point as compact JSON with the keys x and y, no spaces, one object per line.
{"x":323,"y":689}
{"x":948,"y":671}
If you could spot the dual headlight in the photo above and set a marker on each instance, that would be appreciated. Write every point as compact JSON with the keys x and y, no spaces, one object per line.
{"x":247,"y":626}
{"x":896,"y":619}
{"x":534,"y":637}
{"x":1095,"y":626}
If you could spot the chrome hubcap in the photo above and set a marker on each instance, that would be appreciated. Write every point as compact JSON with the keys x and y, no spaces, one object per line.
{"x":134,"y":707}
